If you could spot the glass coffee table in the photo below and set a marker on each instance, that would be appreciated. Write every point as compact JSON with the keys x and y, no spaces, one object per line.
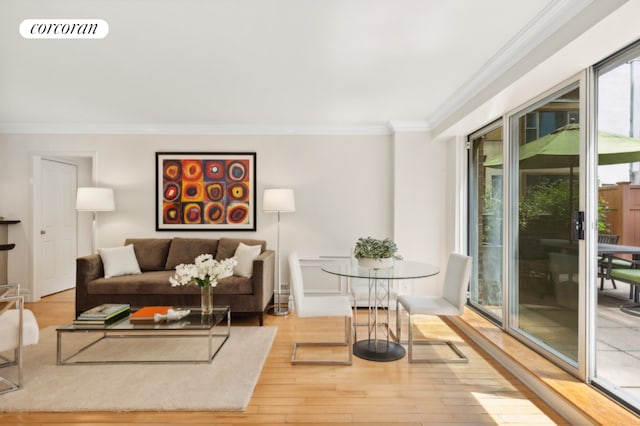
{"x":144,"y":342}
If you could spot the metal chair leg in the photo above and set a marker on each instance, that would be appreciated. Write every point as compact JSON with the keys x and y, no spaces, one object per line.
{"x":460,"y":357}
{"x":398,"y":323}
{"x":12,"y":386}
{"x":348,"y":342}
{"x":355,"y":319}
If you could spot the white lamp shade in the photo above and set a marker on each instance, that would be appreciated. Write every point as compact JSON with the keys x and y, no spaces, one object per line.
{"x":95,"y":200}
{"x":278,"y":200}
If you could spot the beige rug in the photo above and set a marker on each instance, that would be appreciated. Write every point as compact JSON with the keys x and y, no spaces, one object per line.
{"x":224,"y":385}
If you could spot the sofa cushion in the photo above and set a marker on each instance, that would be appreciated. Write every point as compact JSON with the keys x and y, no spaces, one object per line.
{"x":185,"y":250}
{"x":157,"y":282}
{"x":153,"y":282}
{"x":150,"y":252}
{"x":227,"y":247}
{"x":244,"y":256}
{"x":119,"y":261}
{"x":233,"y":285}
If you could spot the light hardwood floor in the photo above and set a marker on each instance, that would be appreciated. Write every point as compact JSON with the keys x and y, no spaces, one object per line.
{"x":480,"y":392}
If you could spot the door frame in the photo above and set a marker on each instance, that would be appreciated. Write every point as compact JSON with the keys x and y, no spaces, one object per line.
{"x":36,"y":191}
{"x":472,"y":219}
{"x":510,"y":225}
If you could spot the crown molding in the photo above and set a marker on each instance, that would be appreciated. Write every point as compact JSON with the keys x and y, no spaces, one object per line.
{"x":408,"y":126}
{"x":550,"y":19}
{"x":192,"y":129}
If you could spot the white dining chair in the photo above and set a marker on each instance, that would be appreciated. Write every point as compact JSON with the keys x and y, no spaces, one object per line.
{"x":18,"y":328}
{"x":320,"y":306}
{"x":450,"y":302}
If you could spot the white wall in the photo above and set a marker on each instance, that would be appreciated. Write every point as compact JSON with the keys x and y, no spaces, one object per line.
{"x":420,"y":212}
{"x":343,"y":187}
{"x":85,"y":178}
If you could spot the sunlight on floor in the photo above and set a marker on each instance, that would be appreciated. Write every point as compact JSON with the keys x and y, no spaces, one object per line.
{"x":513,"y":410}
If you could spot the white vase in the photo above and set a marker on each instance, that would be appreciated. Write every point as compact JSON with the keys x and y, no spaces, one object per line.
{"x":369,"y":263}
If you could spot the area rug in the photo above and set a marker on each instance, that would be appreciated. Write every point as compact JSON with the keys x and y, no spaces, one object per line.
{"x":226,"y":384}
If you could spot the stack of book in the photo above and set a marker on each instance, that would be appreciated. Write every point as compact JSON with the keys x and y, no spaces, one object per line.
{"x":104,"y":314}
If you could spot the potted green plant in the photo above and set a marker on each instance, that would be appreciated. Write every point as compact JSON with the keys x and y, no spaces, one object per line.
{"x":375,"y":254}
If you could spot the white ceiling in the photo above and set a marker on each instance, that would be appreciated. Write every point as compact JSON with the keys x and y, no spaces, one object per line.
{"x":279,"y":63}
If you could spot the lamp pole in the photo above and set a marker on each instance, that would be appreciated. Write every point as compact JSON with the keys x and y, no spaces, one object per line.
{"x":277,"y":308}
{"x":277,"y":201}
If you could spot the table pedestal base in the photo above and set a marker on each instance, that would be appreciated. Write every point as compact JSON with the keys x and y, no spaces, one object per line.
{"x":378,"y":351}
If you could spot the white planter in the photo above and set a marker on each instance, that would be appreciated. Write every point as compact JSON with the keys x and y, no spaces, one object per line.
{"x":376,"y":263}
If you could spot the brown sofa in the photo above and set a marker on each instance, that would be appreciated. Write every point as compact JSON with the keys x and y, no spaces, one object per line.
{"x":157,"y":258}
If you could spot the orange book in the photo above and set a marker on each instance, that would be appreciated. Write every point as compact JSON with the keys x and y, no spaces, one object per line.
{"x":147,"y":313}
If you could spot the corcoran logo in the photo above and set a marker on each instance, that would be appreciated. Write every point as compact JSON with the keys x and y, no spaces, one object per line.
{"x":64,"y":28}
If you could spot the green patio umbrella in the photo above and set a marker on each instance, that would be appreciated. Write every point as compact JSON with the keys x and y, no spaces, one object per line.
{"x":559,"y":149}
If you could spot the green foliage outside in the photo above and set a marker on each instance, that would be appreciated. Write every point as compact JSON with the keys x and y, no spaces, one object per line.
{"x":550,"y":198}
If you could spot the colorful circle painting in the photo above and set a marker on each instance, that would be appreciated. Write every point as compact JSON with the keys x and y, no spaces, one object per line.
{"x":237,"y":213}
{"x":191,"y":169}
{"x":214,"y":213}
{"x":215,"y":191}
{"x":192,"y":191}
{"x":171,"y":213}
{"x":172,"y":170}
{"x":171,"y":191}
{"x":237,"y":170}
{"x":213,"y":170}
{"x":205,"y":191}
{"x":238,"y":191}
{"x":192,"y":213}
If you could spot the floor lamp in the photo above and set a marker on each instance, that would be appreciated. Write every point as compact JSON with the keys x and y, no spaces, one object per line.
{"x":279,"y":200}
{"x":95,"y":200}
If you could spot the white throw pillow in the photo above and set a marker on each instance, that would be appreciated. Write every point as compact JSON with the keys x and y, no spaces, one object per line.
{"x":244,"y":256}
{"x":119,"y":261}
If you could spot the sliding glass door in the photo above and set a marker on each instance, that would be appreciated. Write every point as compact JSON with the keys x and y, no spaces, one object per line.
{"x":552,"y":186}
{"x":542,"y":252}
{"x":544,"y":288}
{"x":616,"y":354}
{"x":485,"y":221}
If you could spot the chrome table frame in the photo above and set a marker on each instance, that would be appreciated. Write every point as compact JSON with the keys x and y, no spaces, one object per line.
{"x":192,"y":326}
{"x":374,"y":348}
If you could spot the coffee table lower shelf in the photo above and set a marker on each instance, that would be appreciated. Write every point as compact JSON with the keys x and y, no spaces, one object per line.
{"x":194,"y":326}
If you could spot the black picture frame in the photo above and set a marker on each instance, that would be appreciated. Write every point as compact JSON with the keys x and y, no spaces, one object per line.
{"x":205,"y":191}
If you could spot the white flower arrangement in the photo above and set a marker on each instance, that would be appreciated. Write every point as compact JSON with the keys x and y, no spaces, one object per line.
{"x":204,"y":272}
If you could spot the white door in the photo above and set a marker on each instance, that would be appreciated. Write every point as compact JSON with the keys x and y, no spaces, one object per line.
{"x":54,"y":262}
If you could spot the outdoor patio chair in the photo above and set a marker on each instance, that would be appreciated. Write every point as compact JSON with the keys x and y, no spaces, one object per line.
{"x":449,"y":303}
{"x":18,"y":328}
{"x":603,"y":261}
{"x":320,"y":306}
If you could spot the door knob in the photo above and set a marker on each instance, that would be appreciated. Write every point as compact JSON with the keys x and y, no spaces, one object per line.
{"x":43,"y":232}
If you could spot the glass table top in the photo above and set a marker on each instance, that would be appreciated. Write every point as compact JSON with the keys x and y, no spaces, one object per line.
{"x":401,"y":270}
{"x":194,"y":321}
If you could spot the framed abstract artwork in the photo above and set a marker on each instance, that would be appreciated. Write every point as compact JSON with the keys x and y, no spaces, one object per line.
{"x":200,"y":191}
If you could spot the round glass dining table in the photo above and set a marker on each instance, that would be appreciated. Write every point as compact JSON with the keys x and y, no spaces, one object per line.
{"x":374,"y":348}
